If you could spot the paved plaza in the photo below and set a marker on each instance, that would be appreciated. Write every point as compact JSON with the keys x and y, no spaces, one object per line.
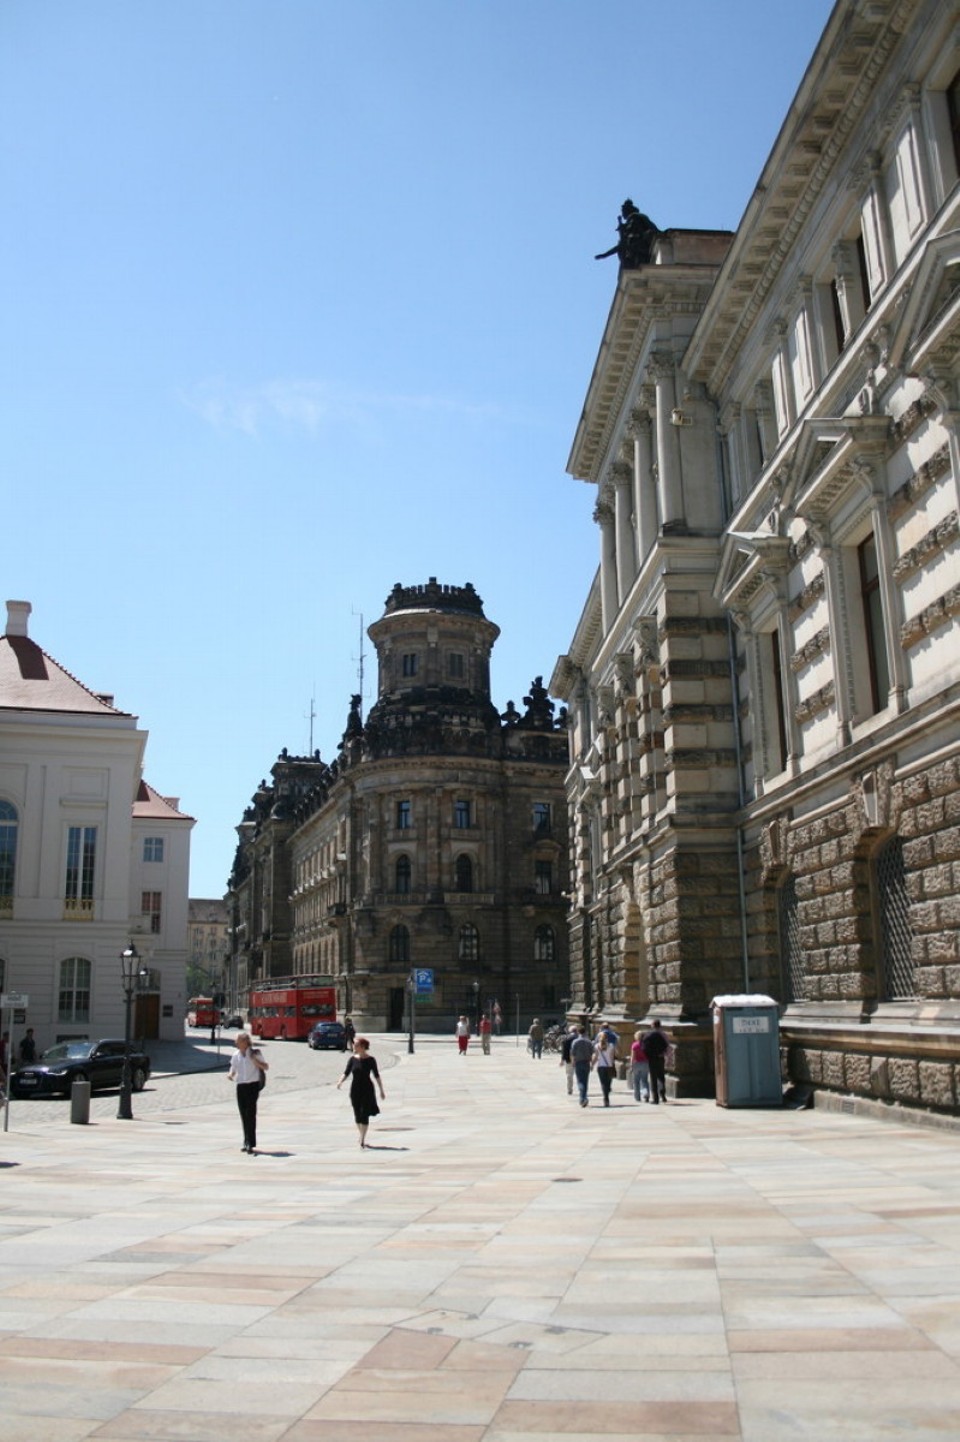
{"x":499,"y":1266}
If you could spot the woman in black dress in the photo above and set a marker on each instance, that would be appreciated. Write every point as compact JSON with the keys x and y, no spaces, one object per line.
{"x":363,"y":1071}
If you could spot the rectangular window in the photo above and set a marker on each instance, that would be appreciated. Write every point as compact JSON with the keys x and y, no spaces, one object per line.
{"x":541,"y":816}
{"x":874,"y":628}
{"x":779,"y":700}
{"x":404,"y":816}
{"x":456,"y":666}
{"x":543,"y":877}
{"x":409,"y":662}
{"x":81,"y":865}
{"x":150,"y":909}
{"x":863,"y":271}
{"x":73,"y":1002}
{"x":461,"y":815}
{"x":153,"y":848}
{"x":953,"y":110}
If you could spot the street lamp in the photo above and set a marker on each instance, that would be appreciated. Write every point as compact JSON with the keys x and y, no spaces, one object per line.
{"x":412,"y":993}
{"x":130,"y":972}
{"x":476,"y":1000}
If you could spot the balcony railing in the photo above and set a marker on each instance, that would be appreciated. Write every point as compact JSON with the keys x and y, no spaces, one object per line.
{"x":77,"y":908}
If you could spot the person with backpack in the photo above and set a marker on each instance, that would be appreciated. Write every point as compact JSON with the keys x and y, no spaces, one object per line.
{"x":655,"y":1048}
{"x":639,"y":1069}
{"x":581,"y":1054}
{"x":248,"y":1069}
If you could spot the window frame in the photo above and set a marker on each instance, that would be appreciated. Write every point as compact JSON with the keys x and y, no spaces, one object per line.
{"x":77,"y":986}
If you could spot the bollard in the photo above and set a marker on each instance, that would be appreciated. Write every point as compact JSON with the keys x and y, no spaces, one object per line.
{"x":80,"y":1102}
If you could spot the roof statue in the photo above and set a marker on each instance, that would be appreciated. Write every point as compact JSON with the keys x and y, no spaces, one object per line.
{"x":636,"y":233}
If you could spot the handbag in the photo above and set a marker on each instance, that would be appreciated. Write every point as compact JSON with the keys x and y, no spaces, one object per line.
{"x":262,"y":1079}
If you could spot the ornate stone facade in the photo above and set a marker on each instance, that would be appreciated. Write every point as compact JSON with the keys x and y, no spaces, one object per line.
{"x":765,"y":683}
{"x":437,"y":840}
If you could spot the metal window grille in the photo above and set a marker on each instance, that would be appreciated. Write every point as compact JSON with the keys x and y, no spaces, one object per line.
{"x":543,"y":944}
{"x":896,"y":933}
{"x":792,"y":961}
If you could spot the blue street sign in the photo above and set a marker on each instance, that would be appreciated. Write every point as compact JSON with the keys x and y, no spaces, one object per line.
{"x":424,"y":981}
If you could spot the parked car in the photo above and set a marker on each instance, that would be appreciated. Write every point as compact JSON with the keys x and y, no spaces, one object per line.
{"x":233,"y":1021}
{"x":98,"y":1062}
{"x":328,"y":1036}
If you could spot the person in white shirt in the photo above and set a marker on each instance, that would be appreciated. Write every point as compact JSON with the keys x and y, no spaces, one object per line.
{"x":247,"y":1068}
{"x":463,"y":1035}
{"x":604,"y":1059}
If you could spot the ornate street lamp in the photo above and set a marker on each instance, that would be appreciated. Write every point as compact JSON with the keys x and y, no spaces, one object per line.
{"x":130,"y":972}
{"x":476,"y":1000}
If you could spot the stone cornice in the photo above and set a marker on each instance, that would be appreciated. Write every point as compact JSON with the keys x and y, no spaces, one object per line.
{"x":840,"y":81}
{"x":643,"y":297}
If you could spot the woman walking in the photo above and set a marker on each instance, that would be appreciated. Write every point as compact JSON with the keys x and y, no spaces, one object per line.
{"x":363,"y":1071}
{"x":639,"y":1069}
{"x":248,"y":1069}
{"x":604,"y":1056}
{"x":463,"y":1035}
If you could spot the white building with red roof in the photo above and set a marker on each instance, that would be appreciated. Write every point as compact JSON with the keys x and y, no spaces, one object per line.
{"x":91,"y":856}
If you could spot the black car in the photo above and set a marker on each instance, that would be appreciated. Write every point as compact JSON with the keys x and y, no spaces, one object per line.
{"x":98,"y":1062}
{"x":328,"y":1036}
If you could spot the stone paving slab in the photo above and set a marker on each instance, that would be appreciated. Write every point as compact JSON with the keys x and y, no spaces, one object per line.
{"x":498,"y":1265}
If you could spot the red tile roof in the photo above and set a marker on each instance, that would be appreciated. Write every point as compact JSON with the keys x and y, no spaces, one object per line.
{"x":30,"y":680}
{"x":150,"y":804}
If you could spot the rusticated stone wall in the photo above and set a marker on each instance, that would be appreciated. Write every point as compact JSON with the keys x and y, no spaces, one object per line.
{"x":693,"y":921}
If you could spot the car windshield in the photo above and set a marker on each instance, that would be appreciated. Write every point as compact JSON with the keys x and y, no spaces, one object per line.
{"x":68,"y":1051}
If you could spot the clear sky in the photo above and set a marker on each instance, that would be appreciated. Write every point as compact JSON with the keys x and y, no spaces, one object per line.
{"x":298,"y":301}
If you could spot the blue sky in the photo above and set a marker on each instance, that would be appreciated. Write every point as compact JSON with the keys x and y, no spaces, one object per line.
{"x":299,"y":301}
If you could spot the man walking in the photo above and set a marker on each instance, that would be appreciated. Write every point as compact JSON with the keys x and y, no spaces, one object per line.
{"x":535,"y":1039}
{"x":655,"y":1047}
{"x":485,"y":1029}
{"x":581,"y":1054}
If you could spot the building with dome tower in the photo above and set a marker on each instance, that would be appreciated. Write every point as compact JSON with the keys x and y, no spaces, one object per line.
{"x":436,"y":841}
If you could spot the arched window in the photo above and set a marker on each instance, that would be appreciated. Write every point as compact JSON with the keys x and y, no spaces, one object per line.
{"x":897,"y":980}
{"x":400,"y":945}
{"x":792,"y":961}
{"x":74,"y":991}
{"x":544,"y":944}
{"x":464,"y":873}
{"x":403,"y":873}
{"x":469,"y":949}
{"x":8,"y":854}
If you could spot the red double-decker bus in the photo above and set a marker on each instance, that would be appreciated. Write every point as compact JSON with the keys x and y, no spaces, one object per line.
{"x":288,"y":1006}
{"x":202,"y":1011}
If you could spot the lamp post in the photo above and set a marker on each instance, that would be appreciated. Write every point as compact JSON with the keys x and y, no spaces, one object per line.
{"x":412,"y":992}
{"x":130,"y":973}
{"x":476,"y":1002}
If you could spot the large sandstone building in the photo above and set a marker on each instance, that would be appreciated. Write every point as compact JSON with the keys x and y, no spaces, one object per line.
{"x":436,"y":841}
{"x":765,"y":683}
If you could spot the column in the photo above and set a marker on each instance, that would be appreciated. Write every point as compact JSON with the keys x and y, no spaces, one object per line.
{"x":622,"y":475}
{"x":668,"y":443}
{"x":603,"y":515}
{"x":644,"y":488}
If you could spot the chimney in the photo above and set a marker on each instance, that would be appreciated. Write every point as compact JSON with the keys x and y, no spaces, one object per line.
{"x":17,"y":613}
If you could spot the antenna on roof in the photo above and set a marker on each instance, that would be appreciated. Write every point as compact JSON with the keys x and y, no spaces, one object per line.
{"x":362,"y":656}
{"x":312,"y":713}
